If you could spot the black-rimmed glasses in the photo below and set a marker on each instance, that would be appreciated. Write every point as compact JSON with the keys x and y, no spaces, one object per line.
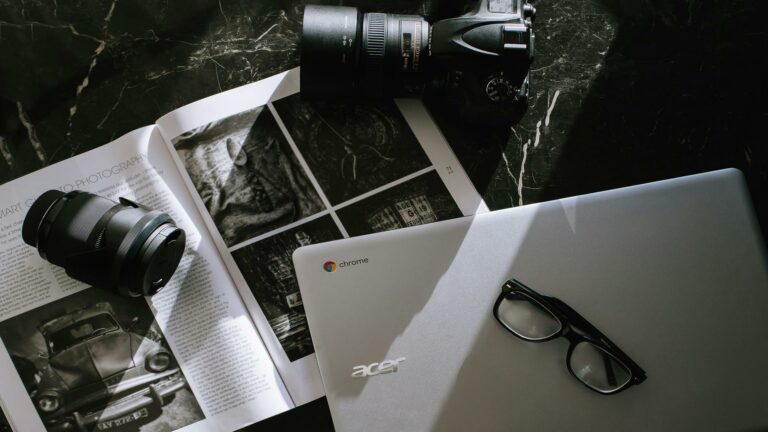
{"x":592,"y":358}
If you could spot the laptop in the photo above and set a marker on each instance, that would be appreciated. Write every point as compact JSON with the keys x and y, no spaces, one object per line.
{"x":413,"y":331}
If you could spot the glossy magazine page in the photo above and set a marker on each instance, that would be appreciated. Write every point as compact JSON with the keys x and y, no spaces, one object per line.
{"x":271,"y":172}
{"x":74,"y":356}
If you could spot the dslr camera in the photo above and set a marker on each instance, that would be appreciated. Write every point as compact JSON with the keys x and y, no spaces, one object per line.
{"x":477,"y":63}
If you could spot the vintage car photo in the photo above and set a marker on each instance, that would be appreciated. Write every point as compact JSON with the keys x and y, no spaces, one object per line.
{"x":91,"y":363}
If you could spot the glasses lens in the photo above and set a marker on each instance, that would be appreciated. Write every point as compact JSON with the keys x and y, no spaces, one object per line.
{"x":526,"y":318}
{"x":598,"y":369}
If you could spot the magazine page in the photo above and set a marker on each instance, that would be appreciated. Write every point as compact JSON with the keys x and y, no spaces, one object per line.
{"x":70,"y":353}
{"x":271,"y":172}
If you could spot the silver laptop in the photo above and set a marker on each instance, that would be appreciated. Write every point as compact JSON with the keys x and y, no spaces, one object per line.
{"x":637,"y":309}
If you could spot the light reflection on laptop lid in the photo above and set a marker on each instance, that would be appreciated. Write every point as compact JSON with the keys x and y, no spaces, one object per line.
{"x":674,"y":273}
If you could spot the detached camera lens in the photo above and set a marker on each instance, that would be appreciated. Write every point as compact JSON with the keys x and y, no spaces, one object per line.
{"x":345,"y":53}
{"x":115,"y":245}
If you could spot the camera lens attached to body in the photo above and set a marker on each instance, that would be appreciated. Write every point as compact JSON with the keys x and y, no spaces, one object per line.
{"x":345,"y":53}
{"x":115,"y":245}
{"x":477,"y":63}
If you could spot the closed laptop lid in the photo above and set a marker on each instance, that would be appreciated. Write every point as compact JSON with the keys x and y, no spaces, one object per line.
{"x":673,"y":272}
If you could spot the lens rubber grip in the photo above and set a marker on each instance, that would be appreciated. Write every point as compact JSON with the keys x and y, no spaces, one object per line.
{"x":374,"y":43}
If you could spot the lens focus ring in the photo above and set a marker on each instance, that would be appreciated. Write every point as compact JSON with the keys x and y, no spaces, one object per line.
{"x":375,"y":38}
{"x":374,"y":35}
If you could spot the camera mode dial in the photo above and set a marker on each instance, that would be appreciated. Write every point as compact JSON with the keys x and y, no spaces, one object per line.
{"x":500,"y":89}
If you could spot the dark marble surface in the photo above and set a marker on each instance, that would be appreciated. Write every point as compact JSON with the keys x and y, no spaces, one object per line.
{"x":623,"y":92}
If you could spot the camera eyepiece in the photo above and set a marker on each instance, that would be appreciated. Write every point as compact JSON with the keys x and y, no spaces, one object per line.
{"x":115,"y":245}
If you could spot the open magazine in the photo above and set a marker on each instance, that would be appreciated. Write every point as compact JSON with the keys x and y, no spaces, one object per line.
{"x":250,"y":174}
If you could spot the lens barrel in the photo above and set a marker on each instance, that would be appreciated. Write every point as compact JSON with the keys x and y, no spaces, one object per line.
{"x":330,"y":50}
{"x":115,"y":245}
{"x":346,"y":54}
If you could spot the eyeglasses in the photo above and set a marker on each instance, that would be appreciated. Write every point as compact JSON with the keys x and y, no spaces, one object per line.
{"x":592,"y":358}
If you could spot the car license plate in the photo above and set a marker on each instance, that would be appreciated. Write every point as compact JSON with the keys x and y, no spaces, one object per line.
{"x":120,"y":421}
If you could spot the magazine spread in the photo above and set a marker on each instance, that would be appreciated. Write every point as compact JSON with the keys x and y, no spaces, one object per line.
{"x":250,"y":174}
{"x":48,"y":321}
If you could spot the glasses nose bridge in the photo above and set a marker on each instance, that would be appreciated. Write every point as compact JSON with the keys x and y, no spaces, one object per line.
{"x":570,"y":333}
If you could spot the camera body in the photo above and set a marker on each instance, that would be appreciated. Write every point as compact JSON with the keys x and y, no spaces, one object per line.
{"x":477,"y":62}
{"x":483,"y":57}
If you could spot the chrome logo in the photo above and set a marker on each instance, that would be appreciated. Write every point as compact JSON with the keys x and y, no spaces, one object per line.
{"x":329,"y":266}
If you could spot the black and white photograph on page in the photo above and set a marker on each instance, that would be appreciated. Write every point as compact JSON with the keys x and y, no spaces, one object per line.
{"x":351,"y":149}
{"x":246,"y":174}
{"x":418,"y":201}
{"x":95,"y":360}
{"x":268,"y":268}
